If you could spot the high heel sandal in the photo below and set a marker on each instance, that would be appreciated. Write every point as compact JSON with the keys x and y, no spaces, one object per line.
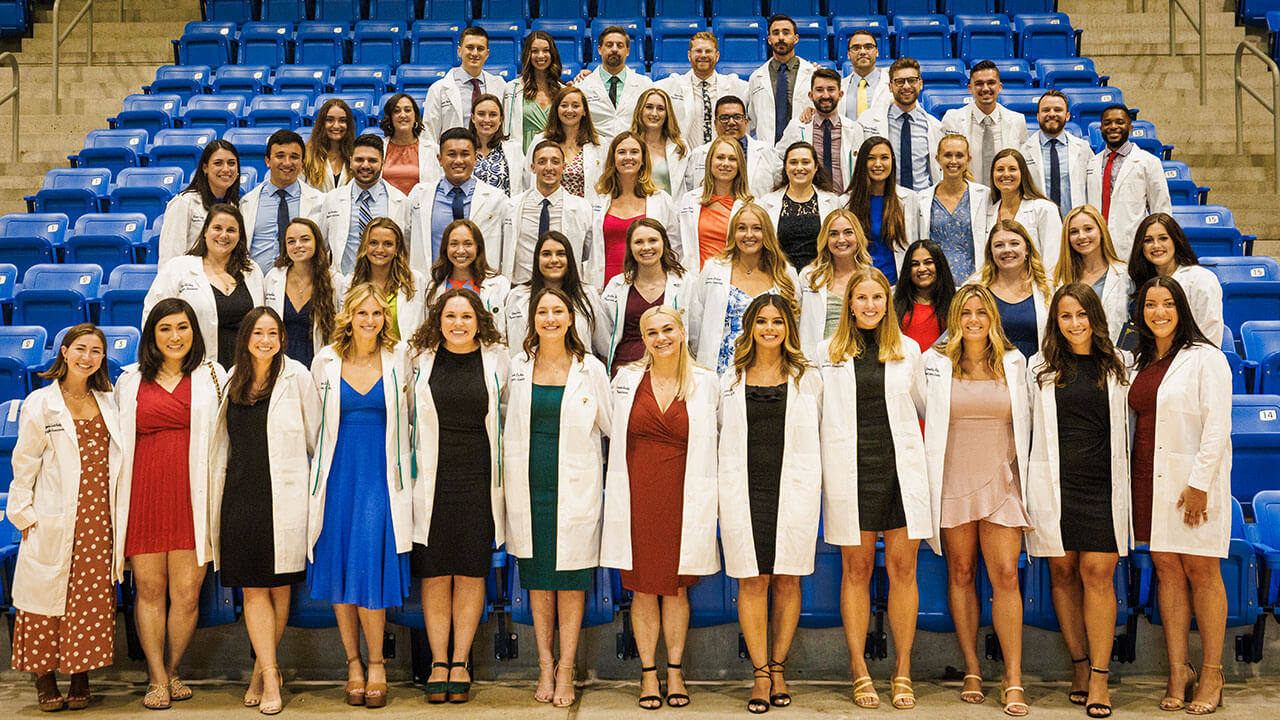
{"x":902,"y":700}
{"x":272,"y":708}
{"x":437,"y":690}
{"x":354,"y":691}
{"x":757,"y":705}
{"x":78,"y":695}
{"x":1173,"y":704}
{"x":973,"y":697}
{"x":375,"y":694}
{"x":562,"y":701}
{"x":460,"y":691}
{"x":864,"y":693}
{"x":549,"y":697}
{"x":1078,"y":697}
{"x":778,"y":699}
{"x":649,"y":702}
{"x":48,"y":697}
{"x":250,"y":699}
{"x":676,"y":700}
{"x":1014,"y":708}
{"x":1098,"y":710}
{"x":1197,"y":707}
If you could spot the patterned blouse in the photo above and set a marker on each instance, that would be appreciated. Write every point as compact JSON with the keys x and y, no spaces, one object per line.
{"x":575,"y":179}
{"x":493,"y":169}
{"x":738,"y":302}
{"x":954,"y":232}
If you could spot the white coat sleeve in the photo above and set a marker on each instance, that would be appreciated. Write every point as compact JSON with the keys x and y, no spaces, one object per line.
{"x":693,"y":317}
{"x":310,"y":411}
{"x":1215,"y":407}
{"x":28,"y":458}
{"x":173,"y":229}
{"x":918,"y":384}
{"x":604,"y":399}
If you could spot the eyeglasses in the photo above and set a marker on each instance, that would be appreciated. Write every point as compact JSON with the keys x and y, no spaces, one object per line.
{"x":862,"y":47}
{"x":905,"y":81}
{"x":736,"y":117}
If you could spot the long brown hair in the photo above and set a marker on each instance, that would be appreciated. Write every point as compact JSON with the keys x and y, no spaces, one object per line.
{"x":744,"y":348}
{"x":400,"y":276}
{"x":238,"y":262}
{"x":429,"y":336}
{"x":670,"y":127}
{"x":1059,"y":365}
{"x":609,"y":184}
{"x":572,"y":343}
{"x":893,"y":223}
{"x":669,"y":260}
{"x":323,"y":308}
{"x":442,"y":268}
{"x":554,"y":130}
{"x":100,"y":380}
{"x":240,"y":386}
{"x":1026,"y":188}
{"x":529,"y":74}
{"x":315,"y":166}
{"x":846,"y":341}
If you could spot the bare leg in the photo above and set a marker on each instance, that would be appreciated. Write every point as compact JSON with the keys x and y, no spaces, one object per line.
{"x":1068,"y":604}
{"x":1097,"y":573}
{"x":901,"y":554}
{"x":785,"y":619}
{"x":151,"y":576}
{"x":753,"y":617}
{"x":260,"y":621}
{"x":1174,"y":597}
{"x":960,"y":545}
{"x":437,"y":606}
{"x":185,"y":579}
{"x":571,"y":604}
{"x":858,"y":563}
{"x":675,"y":627}
{"x":468,"y":606}
{"x":374,"y":622}
{"x":645,"y":624}
{"x":1000,"y":548}
{"x":1209,"y":597}
{"x":542,"y":605}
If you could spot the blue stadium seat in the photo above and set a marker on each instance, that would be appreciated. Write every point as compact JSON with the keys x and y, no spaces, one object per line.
{"x":339,"y":10}
{"x":1212,"y":230}
{"x":742,"y":39}
{"x":601,"y":603}
{"x":31,"y":238}
{"x":675,"y":8}
{"x":922,"y":36}
{"x":1067,"y":72}
{"x":379,"y":42}
{"x":371,"y":79}
{"x":56,"y":296}
{"x":320,"y":43}
{"x":361,"y":104}
{"x":953,"y":8}
{"x":152,"y":113}
{"x":308,"y":80}
{"x":180,"y":148}
{"x":505,"y":40}
{"x":276,"y":111}
{"x":820,"y":592}
{"x":252,"y":144}
{"x":620,"y":8}
{"x":111,"y":149}
{"x":1254,"y":12}
{"x":983,"y":37}
{"x":730,"y":8}
{"x":106,"y":251}
{"x":434,"y":42}
{"x":236,"y":11}
{"x":146,"y":190}
{"x":567,"y":35}
{"x":123,"y":306}
{"x":1037,"y":596}
{"x":495,"y":10}
{"x":1014,"y":72}
{"x":1238,"y":365}
{"x":1021,"y":100}
{"x":635,"y":31}
{"x":218,"y":605}
{"x":404,"y":11}
{"x":181,"y":80}
{"x":1243,"y":268}
{"x":562,"y":9}
{"x":878,"y":25}
{"x":844,"y":8}
{"x":130,"y":226}
{"x":1022,"y":7}
{"x":661,"y":70}
{"x":290,"y":11}
{"x":207,"y":43}
{"x":121,"y":349}
{"x":85,"y":279}
{"x":814,"y":43}
{"x":933,"y":614}
{"x":21,"y":348}
{"x":213,"y":112}
{"x":1247,"y":300}
{"x":1261,"y":340}
{"x":713,"y":600}
{"x":944,"y":74}
{"x":417,"y":79}
{"x":8,"y":283}
{"x":671,"y":38}
{"x":1087,"y":103}
{"x":937,"y":101}
{"x":243,"y":80}
{"x":71,"y":191}
{"x":1047,"y":35}
{"x":131,"y":277}
{"x":1266,"y":515}
{"x":1255,"y":444}
{"x":264,"y":43}
{"x":1182,"y":189}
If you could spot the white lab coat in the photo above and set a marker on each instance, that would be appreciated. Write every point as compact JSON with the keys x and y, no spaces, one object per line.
{"x":876,"y":122}
{"x":585,"y":417}
{"x":1010,"y":131}
{"x":1140,"y":189}
{"x":685,"y":90}
{"x":274,"y":295}
{"x":1043,"y":483}
{"x":336,"y":212}
{"x":909,"y":200}
{"x":827,"y":202}
{"x":799,"y":485}
{"x":1043,"y":224}
{"x":592,"y":164}
{"x":763,"y":168}
{"x":979,"y":202}
{"x":594,"y":334}
{"x":493,"y":292}
{"x":761,"y":113}
{"x":326,"y":370}
{"x":208,"y":383}
{"x":410,"y":311}
{"x":443,"y":107}
{"x":688,"y":211}
{"x":1115,"y":298}
{"x":904,"y":401}
{"x":184,"y":216}
{"x":426,"y":435}
{"x":1077,"y":156}
{"x":658,"y":206}
{"x":1193,"y":447}
{"x":327,"y":184}
{"x":513,"y":110}
{"x":698,"y":514}
{"x":487,"y":211}
{"x":293,"y":423}
{"x":309,"y":205}
{"x":937,"y":419}
{"x":813,"y":314}
{"x":614,"y":300}
{"x":877,"y":87}
{"x":183,"y":277}
{"x":1204,"y":295}
{"x":607,"y":119}
{"x":851,"y":137}
{"x":45,"y":492}
{"x":708,"y":304}
{"x":575,"y":223}
{"x":677,"y":166}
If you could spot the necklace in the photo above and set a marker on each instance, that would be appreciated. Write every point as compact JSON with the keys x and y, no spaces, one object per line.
{"x":76,"y":396}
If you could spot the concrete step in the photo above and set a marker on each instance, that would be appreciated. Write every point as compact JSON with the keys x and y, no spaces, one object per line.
{"x":112,"y":32}
{"x":134,"y":10}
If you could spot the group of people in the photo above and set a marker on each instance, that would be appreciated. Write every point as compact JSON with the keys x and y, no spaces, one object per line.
{"x":753,"y":300}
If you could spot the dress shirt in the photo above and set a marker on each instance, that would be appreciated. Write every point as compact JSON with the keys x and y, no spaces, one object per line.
{"x":919,"y":141}
{"x":527,"y":234}
{"x":377,"y":208}
{"x":874,"y":79}
{"x":836,"y":176}
{"x":1122,"y":153}
{"x":606,"y":76}
{"x":442,"y":214}
{"x":463,"y":80}
{"x":264,"y":243}
{"x":1064,"y":166}
{"x":793,"y":67}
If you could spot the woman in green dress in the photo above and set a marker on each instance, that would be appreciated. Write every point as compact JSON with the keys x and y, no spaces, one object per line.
{"x":558,"y":409}
{"x":528,"y":98}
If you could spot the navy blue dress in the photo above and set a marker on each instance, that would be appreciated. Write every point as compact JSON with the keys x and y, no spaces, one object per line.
{"x":1019,"y":323}
{"x":297,"y":325}
{"x":881,"y":254}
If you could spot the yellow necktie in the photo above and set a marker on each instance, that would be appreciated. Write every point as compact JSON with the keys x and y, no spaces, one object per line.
{"x":862,"y":95}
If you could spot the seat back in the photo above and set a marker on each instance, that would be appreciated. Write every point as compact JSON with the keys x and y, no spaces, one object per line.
{"x":379,"y":42}
{"x":741,"y":38}
{"x":923,"y":36}
{"x":265,"y":43}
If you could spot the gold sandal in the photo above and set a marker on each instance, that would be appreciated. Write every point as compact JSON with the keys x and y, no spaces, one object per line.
{"x":864,"y":693}
{"x":178,"y":690}
{"x":1174,"y":704}
{"x":1014,"y":708}
{"x":973,"y":697}
{"x":902,"y":700}
{"x":1197,"y":707}
{"x":275,"y":707}
{"x":157,"y":697}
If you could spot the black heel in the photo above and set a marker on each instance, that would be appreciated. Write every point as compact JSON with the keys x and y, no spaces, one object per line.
{"x":650,"y":702}
{"x":676,"y":700}
{"x":1078,"y":697}
{"x":759,"y":705}
{"x":1098,"y":710}
{"x":778,"y":699}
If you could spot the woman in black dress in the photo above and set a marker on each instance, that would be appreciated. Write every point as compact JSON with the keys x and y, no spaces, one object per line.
{"x":1079,"y":462}
{"x":268,"y":424}
{"x":770,"y":485}
{"x":460,"y":373}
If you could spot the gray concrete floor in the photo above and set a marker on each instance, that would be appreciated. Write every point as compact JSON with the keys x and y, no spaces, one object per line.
{"x":1256,"y":699}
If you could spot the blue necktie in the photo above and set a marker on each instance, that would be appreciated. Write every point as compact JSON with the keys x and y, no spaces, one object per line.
{"x":282,"y":219}
{"x":458,"y":199}
{"x":906,"y":178}
{"x":544,"y":218}
{"x":364,"y":203}
{"x":1055,"y":167}
{"x":826,"y":148}
{"x":781,"y":104}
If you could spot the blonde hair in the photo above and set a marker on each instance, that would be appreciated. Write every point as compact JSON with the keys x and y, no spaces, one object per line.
{"x":773,"y":261}
{"x":670,"y":127}
{"x":846,"y":341}
{"x":997,"y":343}
{"x":343,"y":336}
{"x":968,"y":169}
{"x":738,"y":188}
{"x":684,"y":364}
{"x":1070,"y":263}
{"x":399,"y":275}
{"x":1033,"y":268}
{"x":608,"y":184}
{"x":824,"y":265}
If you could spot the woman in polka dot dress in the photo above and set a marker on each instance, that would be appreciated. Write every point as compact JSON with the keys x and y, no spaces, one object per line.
{"x":65,"y":467}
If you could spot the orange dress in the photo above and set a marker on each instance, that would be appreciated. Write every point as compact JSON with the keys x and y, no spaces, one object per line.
{"x":713,"y":227}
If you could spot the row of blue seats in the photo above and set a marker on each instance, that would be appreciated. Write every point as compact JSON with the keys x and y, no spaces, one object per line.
{"x":15,"y":18}
{"x":240,"y":11}
{"x":103,"y":239}
{"x":77,"y":191}
{"x":741,"y":38}
{"x":23,"y":354}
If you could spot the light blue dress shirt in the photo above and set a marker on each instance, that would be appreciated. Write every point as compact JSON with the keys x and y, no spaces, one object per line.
{"x":1064,"y":166}
{"x":377,"y":208}
{"x":264,"y":243}
{"x":920,"y":149}
{"x":442,"y":213}
{"x":463,"y":81}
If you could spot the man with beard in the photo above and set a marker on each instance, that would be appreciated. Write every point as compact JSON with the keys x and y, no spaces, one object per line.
{"x":348,"y":209}
{"x":915,"y":148}
{"x":868,"y":85}
{"x":834,"y":137}
{"x":990,"y":126}
{"x":695,"y":93}
{"x":1124,"y":181}
{"x":1056,"y":159}
{"x":772,"y":99}
{"x":762,"y":159}
{"x":613,"y":88}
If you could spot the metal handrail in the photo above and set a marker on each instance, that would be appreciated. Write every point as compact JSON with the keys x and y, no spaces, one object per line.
{"x":12,"y":61}
{"x":56,"y":103}
{"x":1272,"y":107}
{"x":1199,"y":27}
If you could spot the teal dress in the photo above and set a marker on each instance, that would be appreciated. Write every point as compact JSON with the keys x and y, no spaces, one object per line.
{"x":539,"y":572}
{"x":534,"y":120}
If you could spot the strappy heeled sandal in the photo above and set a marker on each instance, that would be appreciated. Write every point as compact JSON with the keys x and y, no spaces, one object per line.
{"x":459,"y":691}
{"x":1098,"y":710}
{"x":906,"y":699}
{"x":757,"y":705}
{"x":1197,"y":707}
{"x":778,"y":699}
{"x":562,"y":701}
{"x":272,"y":708}
{"x":649,"y":702}
{"x":250,"y":698}
{"x":354,"y":691}
{"x":864,"y":693}
{"x":680,"y":699}
{"x":1014,"y":708}
{"x":973,"y":697}
{"x":1174,"y":704}
{"x":375,"y":694}
{"x":78,"y":695}
{"x":551,"y":695}
{"x":1078,"y":697}
{"x":48,"y":697}
{"x":437,"y":690}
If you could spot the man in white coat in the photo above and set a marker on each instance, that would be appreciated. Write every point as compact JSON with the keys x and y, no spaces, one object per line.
{"x":613,"y":88}
{"x":772,"y":97}
{"x":990,"y":126}
{"x":1124,"y":181}
{"x":283,"y":196}
{"x":369,"y":195}
{"x":449,"y":99}
{"x":868,"y":86}
{"x":542,"y":208}
{"x":916,"y":149}
{"x":762,"y":160}
{"x":458,"y":194}
{"x":835,"y":137}
{"x":1055,"y":158}
{"x":695,"y":93}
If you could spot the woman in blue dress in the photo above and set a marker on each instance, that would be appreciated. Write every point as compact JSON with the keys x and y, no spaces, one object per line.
{"x":887,"y":211}
{"x":361,"y":485}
